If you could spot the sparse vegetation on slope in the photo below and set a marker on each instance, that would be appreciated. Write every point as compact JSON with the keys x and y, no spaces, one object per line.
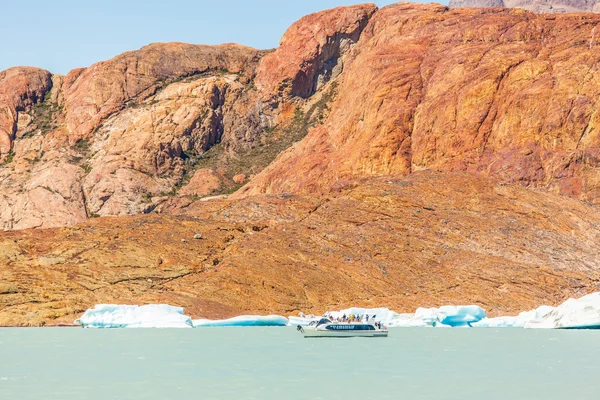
{"x":272,"y":142}
{"x":47,"y":115}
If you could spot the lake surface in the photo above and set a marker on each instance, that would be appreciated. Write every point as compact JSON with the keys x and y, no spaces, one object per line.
{"x":278,"y":363}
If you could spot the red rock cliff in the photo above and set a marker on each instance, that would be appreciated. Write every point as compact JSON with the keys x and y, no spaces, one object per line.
{"x":408,"y":87}
{"x":503,"y":93}
{"x":20,"y":88}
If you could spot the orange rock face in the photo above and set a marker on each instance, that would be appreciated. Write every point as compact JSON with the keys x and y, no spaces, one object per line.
{"x":503,"y":93}
{"x":385,"y":152}
{"x":20,"y":88}
{"x":428,"y":239}
{"x":497,"y":92}
{"x":203,"y":183}
{"x":122,"y":133}
{"x":312,"y":51}
{"x":104,"y":88}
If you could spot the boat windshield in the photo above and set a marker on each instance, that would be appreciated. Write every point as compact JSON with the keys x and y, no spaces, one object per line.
{"x":323,"y":321}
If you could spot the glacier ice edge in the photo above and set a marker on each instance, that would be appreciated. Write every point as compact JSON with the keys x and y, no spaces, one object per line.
{"x":582,"y":313}
{"x":163,"y":316}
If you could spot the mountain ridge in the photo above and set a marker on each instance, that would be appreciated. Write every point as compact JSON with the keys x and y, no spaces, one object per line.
{"x":405,"y":156}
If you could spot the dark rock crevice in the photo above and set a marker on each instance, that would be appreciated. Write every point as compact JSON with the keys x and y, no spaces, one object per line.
{"x":329,"y":63}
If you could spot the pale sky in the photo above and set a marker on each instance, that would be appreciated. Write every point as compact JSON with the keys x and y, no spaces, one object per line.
{"x":64,"y":34}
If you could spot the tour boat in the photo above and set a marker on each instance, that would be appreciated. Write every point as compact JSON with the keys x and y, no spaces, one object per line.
{"x":327,"y":328}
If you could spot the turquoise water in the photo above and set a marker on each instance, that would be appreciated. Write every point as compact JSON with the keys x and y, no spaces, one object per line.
{"x":278,"y":363}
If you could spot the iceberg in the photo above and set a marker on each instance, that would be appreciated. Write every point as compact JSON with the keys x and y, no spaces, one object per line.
{"x":518,"y":321}
{"x":445,"y":316}
{"x":500,"y":322}
{"x":460,"y":315}
{"x":163,"y":316}
{"x":411,"y":321}
{"x":582,"y":313}
{"x":125,"y":316}
{"x":243,"y":320}
{"x":302,"y":320}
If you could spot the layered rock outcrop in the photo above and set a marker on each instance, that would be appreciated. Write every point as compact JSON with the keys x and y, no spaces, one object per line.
{"x":105,"y":87}
{"x":503,"y":93}
{"x":132,"y":132}
{"x":119,"y":133}
{"x":312,"y":51}
{"x":424,"y":240}
{"x":20,"y":89}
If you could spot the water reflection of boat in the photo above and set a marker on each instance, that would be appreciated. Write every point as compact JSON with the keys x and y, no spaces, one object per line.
{"x":326,"y":328}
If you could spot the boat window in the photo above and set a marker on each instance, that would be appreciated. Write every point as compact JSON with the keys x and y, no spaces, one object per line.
{"x":351,"y":327}
{"x":324,"y":321}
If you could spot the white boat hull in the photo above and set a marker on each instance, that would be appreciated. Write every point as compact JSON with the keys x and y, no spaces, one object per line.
{"x":326,"y":328}
{"x":312,"y":333}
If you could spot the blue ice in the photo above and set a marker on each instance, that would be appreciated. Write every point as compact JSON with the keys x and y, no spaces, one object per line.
{"x":243,"y":320}
{"x":126,"y":316}
{"x":460,"y":315}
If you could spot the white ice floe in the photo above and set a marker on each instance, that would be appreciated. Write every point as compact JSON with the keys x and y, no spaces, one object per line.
{"x":124,"y":316}
{"x":445,"y":316}
{"x":410,"y":321}
{"x":243,"y":320}
{"x":518,"y":321}
{"x":163,"y":316}
{"x":572,"y":314}
{"x":302,"y":320}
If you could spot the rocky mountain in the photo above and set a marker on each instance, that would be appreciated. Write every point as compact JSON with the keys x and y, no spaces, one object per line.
{"x":403,"y":156}
{"x":105,"y":140}
{"x":537,"y":6}
{"x":502,"y":93}
{"x":426,"y":239}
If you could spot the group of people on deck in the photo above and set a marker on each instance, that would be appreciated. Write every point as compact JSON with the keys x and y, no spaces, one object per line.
{"x":354,"y":318}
